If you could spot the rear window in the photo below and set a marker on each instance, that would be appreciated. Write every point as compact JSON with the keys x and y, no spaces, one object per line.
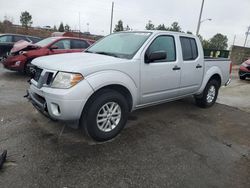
{"x":189,"y":48}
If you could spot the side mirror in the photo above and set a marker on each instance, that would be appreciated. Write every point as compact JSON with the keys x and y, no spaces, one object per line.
{"x":157,"y":55}
{"x":53,"y":47}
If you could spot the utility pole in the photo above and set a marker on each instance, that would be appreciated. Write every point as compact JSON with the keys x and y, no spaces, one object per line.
{"x":79,"y":24}
{"x":199,"y":22}
{"x":247,"y":33}
{"x":234,"y":39}
{"x":112,"y":13}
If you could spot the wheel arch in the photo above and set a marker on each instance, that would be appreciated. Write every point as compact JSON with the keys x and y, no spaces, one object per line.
{"x":212,"y":73}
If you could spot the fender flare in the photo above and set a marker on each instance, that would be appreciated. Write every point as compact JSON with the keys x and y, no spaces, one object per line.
{"x":209,"y":73}
{"x":102,"y":79}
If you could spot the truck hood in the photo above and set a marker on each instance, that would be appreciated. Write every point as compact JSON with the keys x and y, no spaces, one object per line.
{"x":74,"y":62}
{"x":23,"y":45}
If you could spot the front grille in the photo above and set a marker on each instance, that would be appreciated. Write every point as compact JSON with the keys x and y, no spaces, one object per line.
{"x":37,"y":73}
{"x":49,"y":79}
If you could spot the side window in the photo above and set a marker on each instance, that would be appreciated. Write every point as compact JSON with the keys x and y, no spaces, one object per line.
{"x":34,"y":40}
{"x":62,"y":44}
{"x":79,"y":44}
{"x":189,"y":48}
{"x":6,"y":38}
{"x":164,"y":43}
{"x":18,"y":38}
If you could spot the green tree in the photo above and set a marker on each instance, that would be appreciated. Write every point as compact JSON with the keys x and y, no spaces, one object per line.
{"x":54,"y":28}
{"x":26,"y":19}
{"x":150,"y":26}
{"x":219,"y":42}
{"x":66,"y":27}
{"x":127,"y":28}
{"x":174,"y":27}
{"x":61,"y":27}
{"x":119,"y":26}
{"x":161,"y":27}
{"x":205,"y":43}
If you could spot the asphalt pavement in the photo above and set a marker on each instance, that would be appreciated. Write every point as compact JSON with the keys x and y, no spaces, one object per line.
{"x":175,"y":144}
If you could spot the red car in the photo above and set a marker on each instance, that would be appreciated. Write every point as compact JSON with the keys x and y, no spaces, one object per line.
{"x":244,"y":70}
{"x":24,"y":52}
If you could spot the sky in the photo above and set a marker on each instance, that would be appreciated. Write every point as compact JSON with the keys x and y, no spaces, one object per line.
{"x":229,"y":17}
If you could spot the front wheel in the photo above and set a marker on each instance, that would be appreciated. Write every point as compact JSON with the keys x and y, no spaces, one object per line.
{"x":209,"y":95}
{"x":105,"y":116}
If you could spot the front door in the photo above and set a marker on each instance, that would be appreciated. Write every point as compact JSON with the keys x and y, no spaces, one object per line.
{"x":160,"y":80}
{"x":63,"y":46}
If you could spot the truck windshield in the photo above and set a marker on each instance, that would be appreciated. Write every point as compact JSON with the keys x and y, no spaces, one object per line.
{"x":45,"y":42}
{"x":122,"y":45}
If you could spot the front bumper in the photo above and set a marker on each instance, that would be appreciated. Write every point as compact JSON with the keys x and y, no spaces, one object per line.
{"x":60,"y":104}
{"x":15,"y":63}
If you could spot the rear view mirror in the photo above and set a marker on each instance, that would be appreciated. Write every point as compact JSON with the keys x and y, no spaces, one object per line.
{"x":158,"y":55}
{"x":53,"y":47}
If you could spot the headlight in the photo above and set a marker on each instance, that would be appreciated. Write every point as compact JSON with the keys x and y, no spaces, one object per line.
{"x":245,"y":65}
{"x":64,"y":80}
{"x":22,"y":52}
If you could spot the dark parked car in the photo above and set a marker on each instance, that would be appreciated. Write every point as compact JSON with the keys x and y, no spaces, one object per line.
{"x":7,"y":41}
{"x":244,"y":70}
{"x":24,"y":52}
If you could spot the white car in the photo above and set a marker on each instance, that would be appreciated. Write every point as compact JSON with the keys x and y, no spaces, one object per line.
{"x":123,"y":72}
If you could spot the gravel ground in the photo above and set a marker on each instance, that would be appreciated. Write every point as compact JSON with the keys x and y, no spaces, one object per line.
{"x":171,"y":145}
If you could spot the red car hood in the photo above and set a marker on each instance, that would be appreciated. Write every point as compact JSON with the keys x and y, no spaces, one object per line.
{"x":23,"y":45}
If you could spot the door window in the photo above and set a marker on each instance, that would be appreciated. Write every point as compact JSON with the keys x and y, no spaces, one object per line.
{"x":79,"y":44}
{"x":164,"y":43}
{"x":62,"y":44}
{"x":6,"y":38}
{"x":18,"y":38}
{"x":189,"y":48}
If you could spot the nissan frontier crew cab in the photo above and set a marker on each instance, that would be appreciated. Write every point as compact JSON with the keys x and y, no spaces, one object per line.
{"x":123,"y":72}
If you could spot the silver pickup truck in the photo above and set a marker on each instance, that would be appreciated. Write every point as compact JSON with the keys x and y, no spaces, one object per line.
{"x":123,"y":72}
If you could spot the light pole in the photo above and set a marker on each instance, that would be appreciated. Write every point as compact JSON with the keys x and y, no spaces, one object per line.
{"x":208,"y":19}
{"x":199,"y":21}
{"x":112,"y":14}
{"x":247,"y":33}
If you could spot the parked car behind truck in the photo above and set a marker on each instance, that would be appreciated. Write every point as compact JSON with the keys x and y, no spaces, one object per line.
{"x":244,"y":70}
{"x":123,"y":72}
{"x":24,"y":52}
{"x":7,"y":41}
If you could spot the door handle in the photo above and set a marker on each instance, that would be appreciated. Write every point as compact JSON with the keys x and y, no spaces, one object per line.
{"x":176,"y":68}
{"x":198,"y":66}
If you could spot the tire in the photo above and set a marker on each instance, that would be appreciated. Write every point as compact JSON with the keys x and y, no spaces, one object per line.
{"x":242,"y":77}
{"x":209,"y":95}
{"x":110,"y":125}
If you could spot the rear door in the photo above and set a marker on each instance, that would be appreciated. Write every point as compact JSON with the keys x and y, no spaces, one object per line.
{"x":79,"y":45}
{"x":160,"y":80}
{"x":192,"y":66}
{"x":6,"y":43}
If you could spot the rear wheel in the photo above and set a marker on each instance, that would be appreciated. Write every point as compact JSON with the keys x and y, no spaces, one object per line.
{"x":105,"y":116}
{"x":209,"y":95}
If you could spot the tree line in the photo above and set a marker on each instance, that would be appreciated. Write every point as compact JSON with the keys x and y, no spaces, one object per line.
{"x":218,"y":41}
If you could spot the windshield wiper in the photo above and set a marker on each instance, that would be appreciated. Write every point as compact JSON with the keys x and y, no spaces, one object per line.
{"x":106,"y":53}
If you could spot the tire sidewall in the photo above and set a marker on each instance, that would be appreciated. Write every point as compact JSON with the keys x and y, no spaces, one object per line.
{"x":93,"y":109}
{"x":216,"y":85}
